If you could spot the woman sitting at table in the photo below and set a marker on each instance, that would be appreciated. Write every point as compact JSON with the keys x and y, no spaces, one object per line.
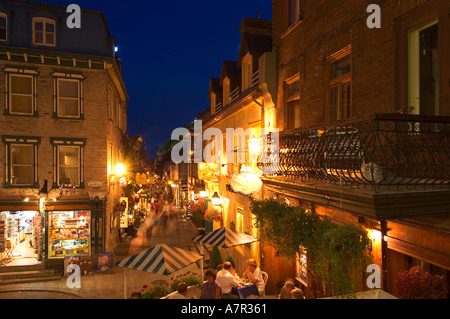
{"x":211,"y":289}
{"x":253,"y":273}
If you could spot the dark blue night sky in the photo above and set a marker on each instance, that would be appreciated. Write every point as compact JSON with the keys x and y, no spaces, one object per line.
{"x":170,"y":50}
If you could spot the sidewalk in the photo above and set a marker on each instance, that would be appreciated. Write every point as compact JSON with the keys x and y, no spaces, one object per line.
{"x":109,"y":286}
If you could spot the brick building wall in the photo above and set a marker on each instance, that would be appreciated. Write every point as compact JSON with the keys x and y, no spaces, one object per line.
{"x":329,"y":26}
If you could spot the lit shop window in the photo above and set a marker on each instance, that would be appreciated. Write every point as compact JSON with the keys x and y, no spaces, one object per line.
{"x":69,"y":234}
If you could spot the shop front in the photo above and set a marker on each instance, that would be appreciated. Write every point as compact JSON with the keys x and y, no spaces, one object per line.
{"x":73,"y":230}
{"x":49,"y":232}
{"x":20,"y":237}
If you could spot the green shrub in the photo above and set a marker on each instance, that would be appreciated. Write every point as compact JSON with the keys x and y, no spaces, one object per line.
{"x":216,"y":258}
{"x":156,"y":292}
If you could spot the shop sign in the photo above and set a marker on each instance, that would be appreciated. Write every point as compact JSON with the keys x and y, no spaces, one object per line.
{"x":124,"y":214}
{"x":208,"y":172}
{"x":42,"y":205}
{"x":95,"y":184}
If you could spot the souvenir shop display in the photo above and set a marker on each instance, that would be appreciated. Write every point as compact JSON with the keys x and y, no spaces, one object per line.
{"x":69,"y":234}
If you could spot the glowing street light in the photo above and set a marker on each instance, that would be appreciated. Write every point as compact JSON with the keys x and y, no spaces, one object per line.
{"x":120,"y":169}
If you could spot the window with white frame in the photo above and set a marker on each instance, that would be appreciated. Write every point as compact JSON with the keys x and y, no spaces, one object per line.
{"x":44,"y":31}
{"x":294,"y":11}
{"x":423,"y":69}
{"x":340,"y":85}
{"x":3,"y":27}
{"x":22,"y":164}
{"x":69,"y":164}
{"x":21,"y":94}
{"x":292,"y":88}
{"x":68,"y":98}
{"x":21,"y":161}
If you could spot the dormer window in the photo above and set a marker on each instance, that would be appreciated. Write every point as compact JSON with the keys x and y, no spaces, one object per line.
{"x":44,"y":31}
{"x":3,"y":27}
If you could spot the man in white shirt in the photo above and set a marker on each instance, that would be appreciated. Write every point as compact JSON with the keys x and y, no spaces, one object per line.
{"x":227,"y":281}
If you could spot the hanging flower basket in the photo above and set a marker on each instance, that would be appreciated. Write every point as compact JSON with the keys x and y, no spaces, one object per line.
{"x":213,"y":215}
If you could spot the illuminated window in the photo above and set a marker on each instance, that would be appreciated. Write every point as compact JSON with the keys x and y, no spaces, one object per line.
{"x":292,"y":89}
{"x":340,"y":83}
{"x":423,"y":65}
{"x":69,"y":167}
{"x":21,"y":97}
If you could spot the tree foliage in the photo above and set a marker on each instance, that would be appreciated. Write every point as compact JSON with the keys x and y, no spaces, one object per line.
{"x":336,"y":254}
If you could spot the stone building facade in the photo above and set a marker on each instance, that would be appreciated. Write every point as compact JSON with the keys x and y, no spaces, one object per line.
{"x":64,"y":118}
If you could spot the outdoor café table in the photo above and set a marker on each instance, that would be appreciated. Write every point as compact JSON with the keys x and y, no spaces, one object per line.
{"x":245,"y":291}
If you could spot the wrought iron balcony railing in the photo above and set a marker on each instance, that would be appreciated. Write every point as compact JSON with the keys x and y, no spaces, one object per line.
{"x":385,"y":150}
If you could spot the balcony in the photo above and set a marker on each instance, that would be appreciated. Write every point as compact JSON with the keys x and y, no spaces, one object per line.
{"x":383,"y":151}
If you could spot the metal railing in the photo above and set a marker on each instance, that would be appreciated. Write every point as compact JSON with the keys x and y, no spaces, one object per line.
{"x":385,"y":150}
{"x":235,"y":94}
{"x":255,"y":79}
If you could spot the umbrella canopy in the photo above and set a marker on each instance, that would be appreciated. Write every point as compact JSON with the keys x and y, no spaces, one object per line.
{"x":160,"y":259}
{"x":225,"y":238}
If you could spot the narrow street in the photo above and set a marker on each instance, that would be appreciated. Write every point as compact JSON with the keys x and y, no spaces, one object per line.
{"x":110,"y":286}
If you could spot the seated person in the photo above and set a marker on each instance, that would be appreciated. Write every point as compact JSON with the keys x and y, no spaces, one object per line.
{"x":211,"y":289}
{"x":227,"y":281}
{"x":253,"y":273}
{"x":286,"y":290}
{"x":182,"y":291}
{"x":297,"y":294}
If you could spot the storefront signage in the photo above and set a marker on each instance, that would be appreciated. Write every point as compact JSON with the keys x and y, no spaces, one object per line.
{"x":208,"y":172}
{"x":124,"y":213}
{"x":41,"y":205}
{"x":302,"y":267}
{"x":95,"y":184}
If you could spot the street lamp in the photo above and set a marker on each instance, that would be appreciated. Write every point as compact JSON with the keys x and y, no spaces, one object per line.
{"x":120,"y":169}
{"x":216,"y":199}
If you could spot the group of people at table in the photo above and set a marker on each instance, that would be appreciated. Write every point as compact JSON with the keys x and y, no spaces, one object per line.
{"x":227,"y":285}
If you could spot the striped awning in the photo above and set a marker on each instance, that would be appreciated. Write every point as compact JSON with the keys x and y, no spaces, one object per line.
{"x":160,"y":259}
{"x":225,"y":238}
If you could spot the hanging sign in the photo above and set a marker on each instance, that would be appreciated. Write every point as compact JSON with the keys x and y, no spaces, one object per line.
{"x":42,"y":205}
{"x":246,"y":183}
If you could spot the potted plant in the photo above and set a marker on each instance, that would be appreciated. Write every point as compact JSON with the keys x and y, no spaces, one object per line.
{"x":213,"y":218}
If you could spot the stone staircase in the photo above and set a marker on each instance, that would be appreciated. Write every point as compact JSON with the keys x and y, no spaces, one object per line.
{"x":12,"y":275}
